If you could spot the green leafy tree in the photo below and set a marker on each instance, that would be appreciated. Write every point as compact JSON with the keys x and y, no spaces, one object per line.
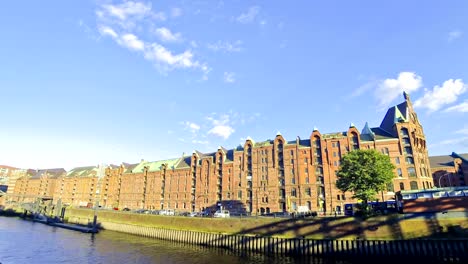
{"x":364,"y":173}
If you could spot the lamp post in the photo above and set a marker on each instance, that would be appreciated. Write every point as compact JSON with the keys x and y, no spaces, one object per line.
{"x":446,"y":174}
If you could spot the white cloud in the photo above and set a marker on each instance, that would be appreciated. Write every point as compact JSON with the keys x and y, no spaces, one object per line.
{"x":221,"y":127}
{"x":105,"y":30}
{"x":158,"y":53}
{"x":463,"y":141}
{"x":125,"y":22}
{"x":441,"y":95}
{"x":176,"y":12}
{"x":226,"y":46}
{"x":229,"y":77}
{"x":128,"y":9}
{"x":191,"y":126}
{"x":453,"y":35}
{"x":248,"y":17}
{"x":463,"y":108}
{"x":223,"y":131}
{"x":202,"y":142}
{"x":132,"y":42}
{"x":389,"y":89}
{"x":165,"y":34}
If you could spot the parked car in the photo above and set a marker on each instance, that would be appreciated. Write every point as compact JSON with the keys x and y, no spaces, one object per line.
{"x":193,"y":214}
{"x":167,"y":212}
{"x":222,"y":214}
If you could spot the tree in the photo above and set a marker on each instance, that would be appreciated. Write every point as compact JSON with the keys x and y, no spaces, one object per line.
{"x":365,"y":173}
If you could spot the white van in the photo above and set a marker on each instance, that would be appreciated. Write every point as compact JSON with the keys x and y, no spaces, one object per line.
{"x":167,"y":212}
{"x":222,"y":214}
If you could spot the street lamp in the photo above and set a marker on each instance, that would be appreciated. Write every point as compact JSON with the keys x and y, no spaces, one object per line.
{"x":446,"y":174}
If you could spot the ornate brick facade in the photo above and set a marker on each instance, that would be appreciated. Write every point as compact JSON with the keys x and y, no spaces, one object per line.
{"x":259,"y":177}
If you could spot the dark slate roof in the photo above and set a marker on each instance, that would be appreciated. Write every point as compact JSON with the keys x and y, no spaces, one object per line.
{"x":129,"y":167}
{"x":394,"y":114}
{"x":446,"y":160}
{"x":230,"y":155}
{"x":184,"y":162}
{"x":304,"y":142}
{"x":51,"y":173}
{"x":379,"y":133}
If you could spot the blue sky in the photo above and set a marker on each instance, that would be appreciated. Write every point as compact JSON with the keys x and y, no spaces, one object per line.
{"x":88,"y":82}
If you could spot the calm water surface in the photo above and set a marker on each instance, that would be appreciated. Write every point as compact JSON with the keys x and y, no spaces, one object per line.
{"x":23,"y":241}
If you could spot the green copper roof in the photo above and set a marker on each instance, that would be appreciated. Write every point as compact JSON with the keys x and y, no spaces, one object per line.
{"x":90,"y":171}
{"x":155,"y":165}
{"x":263,"y":143}
{"x":334,"y":135}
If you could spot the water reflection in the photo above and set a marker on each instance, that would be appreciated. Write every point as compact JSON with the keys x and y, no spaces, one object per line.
{"x":27,"y":242}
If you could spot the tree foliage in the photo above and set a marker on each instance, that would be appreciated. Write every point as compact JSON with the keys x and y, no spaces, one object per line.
{"x":365,"y":173}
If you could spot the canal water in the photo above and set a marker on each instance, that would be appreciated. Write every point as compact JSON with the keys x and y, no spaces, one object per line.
{"x":23,"y":241}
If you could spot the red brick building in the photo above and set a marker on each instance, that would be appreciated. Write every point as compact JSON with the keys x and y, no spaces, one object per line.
{"x":276,"y":175}
{"x":450,"y":170}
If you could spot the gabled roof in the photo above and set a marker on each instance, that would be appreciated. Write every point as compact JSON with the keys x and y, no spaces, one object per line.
{"x":155,"y":165}
{"x":394,"y":115}
{"x":129,"y":167}
{"x":447,"y":160}
{"x":184,"y":162}
{"x":50,"y":173}
{"x":89,"y":171}
{"x":380,"y":134}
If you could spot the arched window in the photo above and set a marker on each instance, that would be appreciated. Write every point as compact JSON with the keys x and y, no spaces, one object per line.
{"x":413,"y":185}
{"x":404,"y":132}
{"x":354,"y":141}
{"x":402,"y":186}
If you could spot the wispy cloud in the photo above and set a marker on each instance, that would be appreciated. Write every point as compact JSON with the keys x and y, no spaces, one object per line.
{"x":202,"y":142}
{"x":439,"y":96}
{"x":229,"y":77}
{"x":462,"y":107}
{"x":193,"y":127}
{"x":119,"y":22}
{"x":166,"y":35}
{"x":389,"y":89}
{"x":221,"y":126}
{"x":128,"y":9}
{"x":462,"y":141}
{"x":226,"y":46}
{"x":249,"y":16}
{"x":453,"y":35}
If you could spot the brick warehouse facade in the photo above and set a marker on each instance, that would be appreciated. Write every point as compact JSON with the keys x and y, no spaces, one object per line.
{"x":259,"y":177}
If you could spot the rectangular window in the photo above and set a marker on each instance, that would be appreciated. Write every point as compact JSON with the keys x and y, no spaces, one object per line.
{"x":292,"y":171}
{"x":292,"y":161}
{"x":293,"y":180}
{"x":399,"y":172}
{"x":307,"y":179}
{"x":397,"y":160}
{"x":239,"y":195}
{"x":343,"y":197}
{"x":334,"y":154}
{"x":334,"y":163}
{"x":293,"y":192}
{"x":306,"y":170}
{"x":292,"y":152}
{"x":411,"y":172}
{"x":307,"y":191}
{"x":306,"y":160}
{"x":338,"y":197}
